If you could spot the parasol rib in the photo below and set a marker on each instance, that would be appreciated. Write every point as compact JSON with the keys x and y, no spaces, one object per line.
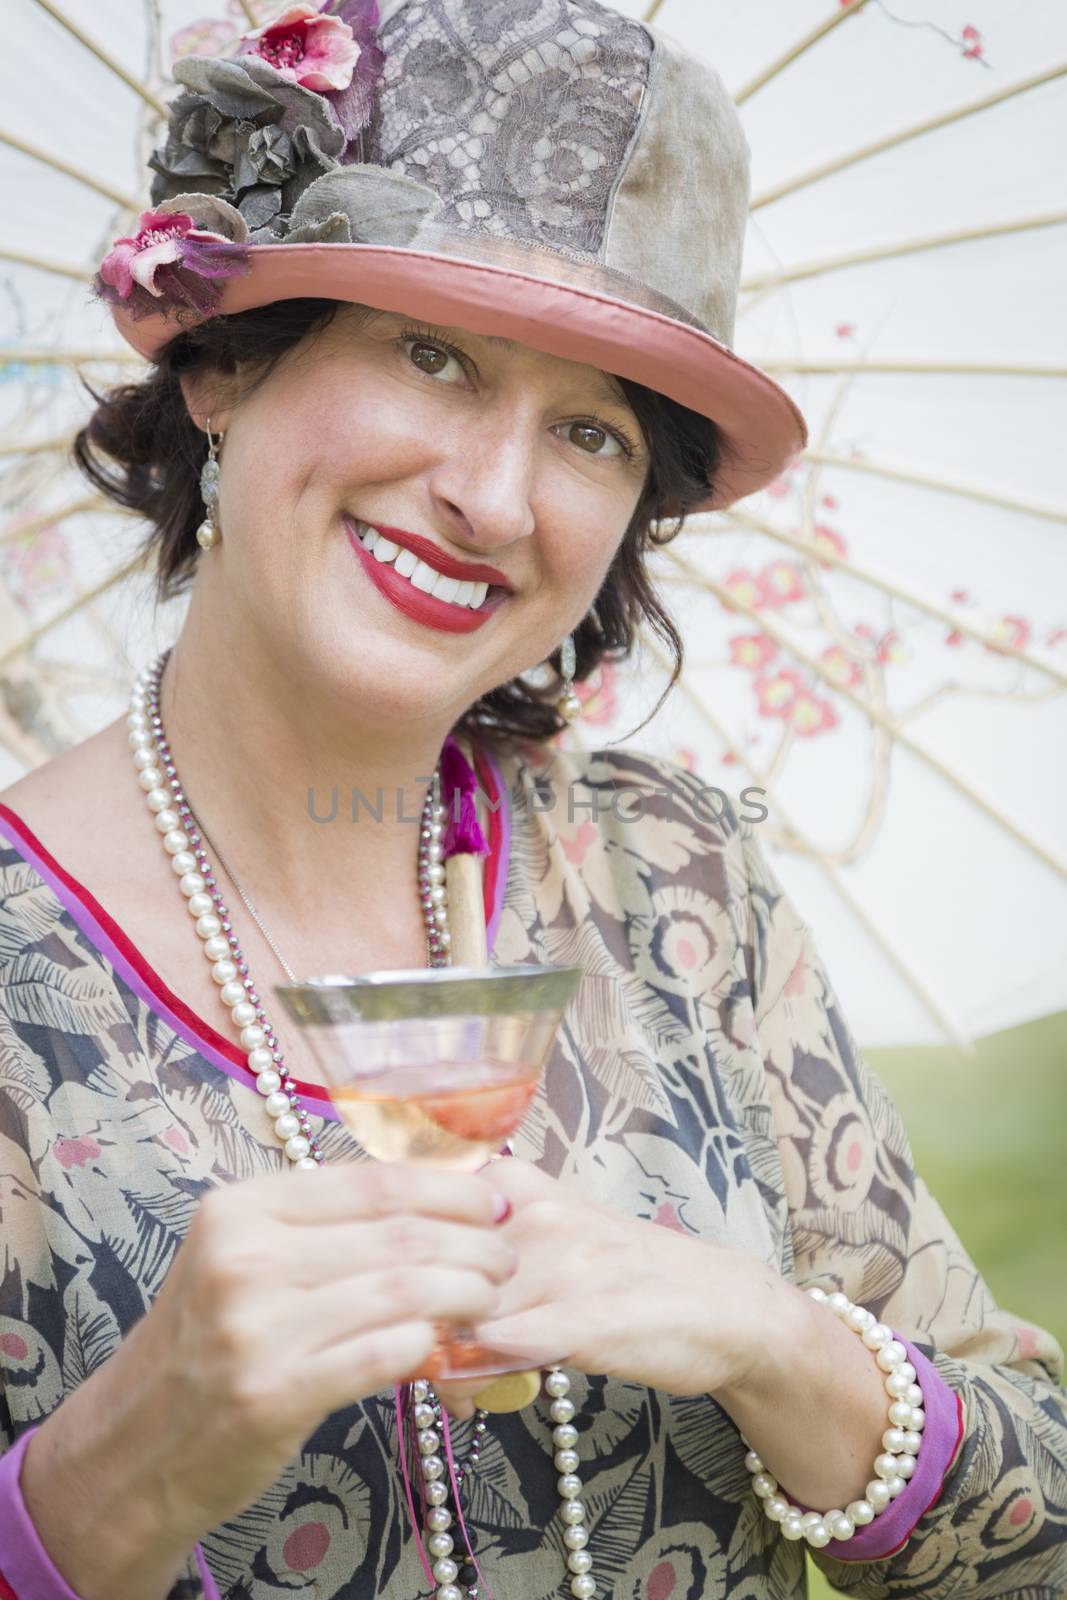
{"x":11,"y":355}
{"x":650,"y":14}
{"x":250,"y":14}
{"x":970,"y":791}
{"x":911,"y":978}
{"x":887,"y":252}
{"x":891,"y":586}
{"x":915,"y":131}
{"x":36,"y":447}
{"x":930,"y":480}
{"x":48,"y":519}
{"x":85,"y":178}
{"x":797,"y":50}
{"x":102,"y":55}
{"x":137,"y":563}
{"x":64,"y":269}
{"x":914,"y":365}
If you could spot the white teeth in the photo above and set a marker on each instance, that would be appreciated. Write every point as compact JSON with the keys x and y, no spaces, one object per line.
{"x":465,"y":594}
{"x":423,"y":577}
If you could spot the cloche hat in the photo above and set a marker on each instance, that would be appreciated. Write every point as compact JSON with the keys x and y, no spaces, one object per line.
{"x":544,"y":170}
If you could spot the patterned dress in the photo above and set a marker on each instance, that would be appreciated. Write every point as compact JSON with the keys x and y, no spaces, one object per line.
{"x":704,"y":1079}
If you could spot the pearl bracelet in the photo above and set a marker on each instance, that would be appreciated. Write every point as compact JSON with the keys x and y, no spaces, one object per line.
{"x":900,"y":1442}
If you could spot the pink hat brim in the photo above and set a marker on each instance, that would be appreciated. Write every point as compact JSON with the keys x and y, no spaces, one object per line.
{"x":761,"y":423}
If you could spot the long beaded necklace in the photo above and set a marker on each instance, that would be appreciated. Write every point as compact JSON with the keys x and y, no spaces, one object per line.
{"x":183,"y":839}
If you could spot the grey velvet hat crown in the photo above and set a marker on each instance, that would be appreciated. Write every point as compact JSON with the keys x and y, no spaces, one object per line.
{"x":546,"y":169}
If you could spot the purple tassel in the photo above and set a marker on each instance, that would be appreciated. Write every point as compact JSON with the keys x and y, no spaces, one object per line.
{"x":354,"y":107}
{"x":194,"y":283}
{"x":462,"y":833}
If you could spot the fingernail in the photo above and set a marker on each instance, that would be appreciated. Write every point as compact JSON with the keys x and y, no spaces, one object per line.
{"x":501,"y":1207}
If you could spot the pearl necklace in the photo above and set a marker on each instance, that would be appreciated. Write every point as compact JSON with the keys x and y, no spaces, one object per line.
{"x":182,"y":839}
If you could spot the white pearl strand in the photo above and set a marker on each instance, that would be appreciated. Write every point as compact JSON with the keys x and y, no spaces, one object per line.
{"x":900,"y":1442}
{"x":166,"y":800}
{"x":439,"y":1541}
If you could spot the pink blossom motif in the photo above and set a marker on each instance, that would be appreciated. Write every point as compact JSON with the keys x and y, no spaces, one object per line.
{"x":810,"y":716}
{"x":667,"y":1217}
{"x":1056,"y":637}
{"x":787,"y":696}
{"x":1010,"y":633}
{"x":576,"y":848}
{"x":780,"y":583}
{"x":37,"y":563}
{"x":175,"y":260}
{"x":752,"y":650}
{"x":207,"y":37}
{"x":744,"y":587}
{"x":315,"y":51}
{"x":891,"y":651}
{"x":776,"y":693}
{"x":75,"y":1152}
{"x":845,"y":330}
{"x":783,"y":486}
{"x":685,"y":757}
{"x":840,"y":666}
{"x":972,"y":44}
{"x":830,"y":542}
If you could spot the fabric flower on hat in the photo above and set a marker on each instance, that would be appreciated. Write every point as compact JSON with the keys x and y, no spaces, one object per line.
{"x":307,"y":47}
{"x":179,"y":257}
{"x":333,"y":50}
{"x":248,"y":134}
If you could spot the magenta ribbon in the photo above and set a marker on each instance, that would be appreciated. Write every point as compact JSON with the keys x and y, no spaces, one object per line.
{"x":462,"y":833}
{"x":416,"y":1520}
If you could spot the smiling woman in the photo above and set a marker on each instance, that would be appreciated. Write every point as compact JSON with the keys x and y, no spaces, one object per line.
{"x":648,"y":459}
{"x":440,"y":348}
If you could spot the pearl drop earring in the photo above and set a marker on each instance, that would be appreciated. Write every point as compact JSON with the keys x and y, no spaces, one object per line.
{"x":568,"y":704}
{"x":209,"y":533}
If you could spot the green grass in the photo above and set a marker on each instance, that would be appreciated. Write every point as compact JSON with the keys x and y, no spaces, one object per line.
{"x":989,"y":1135}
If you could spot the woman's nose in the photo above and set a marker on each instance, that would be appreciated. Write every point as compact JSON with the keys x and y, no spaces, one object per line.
{"x":485,"y":486}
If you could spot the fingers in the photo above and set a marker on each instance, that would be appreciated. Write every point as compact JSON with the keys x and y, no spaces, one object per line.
{"x":352,"y":1190}
{"x":537,"y":1338}
{"x":375,"y":1360}
{"x":393,"y":1297}
{"x":406,"y":1241}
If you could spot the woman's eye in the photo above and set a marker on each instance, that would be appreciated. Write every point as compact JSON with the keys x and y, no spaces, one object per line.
{"x":592,"y":439}
{"x":432,"y":359}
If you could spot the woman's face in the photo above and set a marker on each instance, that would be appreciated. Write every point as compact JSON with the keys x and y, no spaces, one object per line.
{"x":470,"y":452}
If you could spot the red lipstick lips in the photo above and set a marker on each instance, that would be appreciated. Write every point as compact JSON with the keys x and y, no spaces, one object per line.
{"x":476,"y":571}
{"x":414,"y":603}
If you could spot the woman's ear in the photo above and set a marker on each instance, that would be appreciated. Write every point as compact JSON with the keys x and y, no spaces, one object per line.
{"x":208,"y":394}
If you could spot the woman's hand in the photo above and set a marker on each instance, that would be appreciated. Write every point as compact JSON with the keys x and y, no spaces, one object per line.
{"x":606,"y":1293}
{"x":292,"y":1296}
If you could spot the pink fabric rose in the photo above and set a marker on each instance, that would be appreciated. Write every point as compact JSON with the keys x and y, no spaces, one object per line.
{"x":315,"y":51}
{"x":162,"y":237}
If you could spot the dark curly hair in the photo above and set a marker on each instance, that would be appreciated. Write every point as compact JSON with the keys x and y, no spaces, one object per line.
{"x":143,"y":450}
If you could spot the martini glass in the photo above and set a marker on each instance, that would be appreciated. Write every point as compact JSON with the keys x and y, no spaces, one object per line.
{"x":435,"y":1065}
